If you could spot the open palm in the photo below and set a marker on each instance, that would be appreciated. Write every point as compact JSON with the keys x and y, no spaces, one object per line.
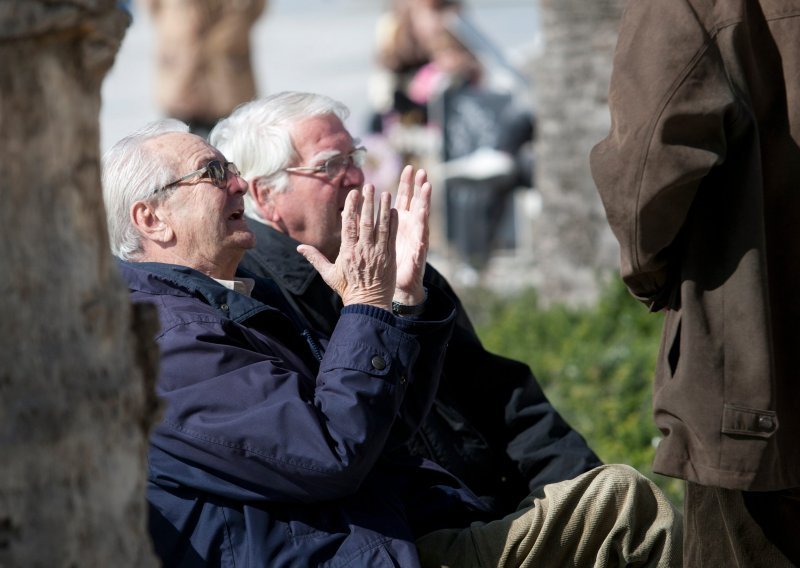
{"x":413,"y":210}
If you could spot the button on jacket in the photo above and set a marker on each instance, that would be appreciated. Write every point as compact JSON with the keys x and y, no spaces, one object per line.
{"x":491,"y":424}
{"x":700,"y":178}
{"x":269,"y":456}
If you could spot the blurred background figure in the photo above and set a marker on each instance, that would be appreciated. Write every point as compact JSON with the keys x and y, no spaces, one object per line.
{"x":486,"y":148}
{"x":203,"y":62}
{"x":441,"y":79}
{"x":404,"y":42}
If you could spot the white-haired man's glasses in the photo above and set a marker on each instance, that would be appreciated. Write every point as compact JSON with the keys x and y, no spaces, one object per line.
{"x":335,"y":166}
{"x":216,"y":170}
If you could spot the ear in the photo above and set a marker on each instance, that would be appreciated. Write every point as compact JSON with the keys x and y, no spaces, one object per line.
{"x":148,"y":221}
{"x":264,"y":196}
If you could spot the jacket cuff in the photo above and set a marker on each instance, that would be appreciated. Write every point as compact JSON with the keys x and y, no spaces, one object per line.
{"x":439,"y":308}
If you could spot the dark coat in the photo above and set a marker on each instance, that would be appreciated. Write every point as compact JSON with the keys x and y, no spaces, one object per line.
{"x":700,"y":178}
{"x":261,"y":460}
{"x":491,"y":425}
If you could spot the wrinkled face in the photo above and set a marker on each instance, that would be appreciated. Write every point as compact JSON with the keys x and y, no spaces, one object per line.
{"x":310,"y":210}
{"x":210,"y":233}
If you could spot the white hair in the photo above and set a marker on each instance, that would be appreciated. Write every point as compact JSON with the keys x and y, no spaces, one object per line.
{"x":257,"y":136}
{"x":132,"y":171}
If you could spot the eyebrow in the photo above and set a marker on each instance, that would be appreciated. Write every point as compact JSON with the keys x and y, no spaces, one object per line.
{"x":325,"y":154}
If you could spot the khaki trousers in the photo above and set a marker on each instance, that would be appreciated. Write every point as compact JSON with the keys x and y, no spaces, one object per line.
{"x":609,"y":516}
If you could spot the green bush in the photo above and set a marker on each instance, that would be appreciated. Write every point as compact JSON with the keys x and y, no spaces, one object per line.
{"x":595,"y":365}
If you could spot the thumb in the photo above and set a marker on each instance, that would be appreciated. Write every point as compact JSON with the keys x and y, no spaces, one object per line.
{"x":317,"y":260}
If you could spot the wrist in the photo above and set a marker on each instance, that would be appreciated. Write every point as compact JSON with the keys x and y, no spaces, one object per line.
{"x":410,"y":296}
{"x":377,"y":300}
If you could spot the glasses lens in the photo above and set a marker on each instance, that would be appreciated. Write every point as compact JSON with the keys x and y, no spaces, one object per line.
{"x":336,"y":165}
{"x":359,"y":156}
{"x":216,"y":171}
{"x":231,"y":167}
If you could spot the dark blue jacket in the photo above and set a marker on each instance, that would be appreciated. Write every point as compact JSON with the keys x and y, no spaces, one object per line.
{"x":491,"y":424}
{"x":267,"y":455}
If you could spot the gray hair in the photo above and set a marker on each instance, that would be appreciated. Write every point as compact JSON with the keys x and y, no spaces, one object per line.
{"x":132,"y":171}
{"x":257,"y":136}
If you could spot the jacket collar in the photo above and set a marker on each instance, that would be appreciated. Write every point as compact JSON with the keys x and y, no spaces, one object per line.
{"x":173,"y":279}
{"x":286,"y":266}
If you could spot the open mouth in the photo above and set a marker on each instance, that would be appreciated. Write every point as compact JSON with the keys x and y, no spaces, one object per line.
{"x":237,"y":215}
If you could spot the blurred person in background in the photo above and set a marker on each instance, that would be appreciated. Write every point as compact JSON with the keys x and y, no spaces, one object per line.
{"x":405,"y":40}
{"x":203,"y":65}
{"x":439,"y":76}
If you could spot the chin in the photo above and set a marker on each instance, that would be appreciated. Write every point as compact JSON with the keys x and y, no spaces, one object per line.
{"x":243,"y":239}
{"x":249,"y":242}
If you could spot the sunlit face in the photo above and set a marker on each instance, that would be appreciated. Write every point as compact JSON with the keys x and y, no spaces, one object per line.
{"x":310,"y":211}
{"x":210,"y":233}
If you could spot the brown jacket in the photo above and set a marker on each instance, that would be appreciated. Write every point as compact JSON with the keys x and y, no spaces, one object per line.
{"x":203,"y":68}
{"x":700,"y":178}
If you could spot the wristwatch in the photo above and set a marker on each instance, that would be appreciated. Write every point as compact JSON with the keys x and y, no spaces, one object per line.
{"x":399,"y":309}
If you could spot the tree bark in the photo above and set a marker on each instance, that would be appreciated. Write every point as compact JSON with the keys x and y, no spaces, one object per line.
{"x":75,"y":382}
{"x":574,"y":246}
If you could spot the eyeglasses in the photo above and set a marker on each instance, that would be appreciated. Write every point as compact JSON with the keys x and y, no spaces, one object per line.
{"x":336,"y":165}
{"x":216,"y":170}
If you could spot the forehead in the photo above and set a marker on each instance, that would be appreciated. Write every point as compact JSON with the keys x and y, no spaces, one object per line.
{"x":321,"y":134}
{"x":183,"y":150}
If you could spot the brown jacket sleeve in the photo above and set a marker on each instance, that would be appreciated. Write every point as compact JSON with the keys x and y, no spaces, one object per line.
{"x":670,"y":100}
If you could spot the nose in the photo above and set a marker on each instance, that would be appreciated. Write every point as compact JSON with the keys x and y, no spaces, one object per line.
{"x":354,"y":175}
{"x":237,"y":184}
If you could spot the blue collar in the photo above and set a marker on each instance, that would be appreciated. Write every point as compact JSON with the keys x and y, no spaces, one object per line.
{"x":182,"y":279}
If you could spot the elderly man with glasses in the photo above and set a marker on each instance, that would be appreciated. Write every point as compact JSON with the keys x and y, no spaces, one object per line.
{"x":491,"y":423}
{"x":276,"y":449}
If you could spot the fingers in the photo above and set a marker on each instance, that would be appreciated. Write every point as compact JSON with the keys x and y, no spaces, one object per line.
{"x":350,"y":218}
{"x":316,"y":259}
{"x":422,"y":198}
{"x":404,"y":189}
{"x":384,"y":239}
{"x":419,"y":180}
{"x":393,"y":225}
{"x":367,"y":224}
{"x":410,"y":197}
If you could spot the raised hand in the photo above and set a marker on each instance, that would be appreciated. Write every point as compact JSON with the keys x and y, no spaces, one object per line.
{"x":413,"y":204}
{"x":365,"y":270}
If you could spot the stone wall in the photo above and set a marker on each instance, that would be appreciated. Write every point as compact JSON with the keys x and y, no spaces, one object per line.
{"x":573,"y":250}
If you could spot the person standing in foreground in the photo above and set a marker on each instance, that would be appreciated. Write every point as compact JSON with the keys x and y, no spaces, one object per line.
{"x":700,"y":179}
{"x":276,"y":451}
{"x":491,"y":424}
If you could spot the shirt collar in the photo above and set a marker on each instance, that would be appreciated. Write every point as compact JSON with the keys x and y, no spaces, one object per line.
{"x":242,"y":285}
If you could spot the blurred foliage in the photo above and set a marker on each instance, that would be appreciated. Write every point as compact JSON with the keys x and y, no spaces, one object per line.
{"x":594,"y":363}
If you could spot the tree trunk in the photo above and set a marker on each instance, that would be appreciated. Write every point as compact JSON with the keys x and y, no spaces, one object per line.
{"x":75,"y":383}
{"x":574,"y":246}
